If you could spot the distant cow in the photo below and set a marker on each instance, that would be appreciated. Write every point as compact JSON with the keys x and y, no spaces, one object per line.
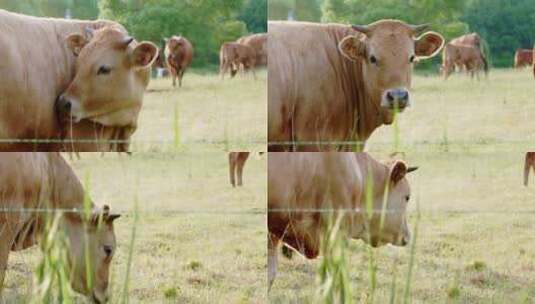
{"x":233,"y":55}
{"x":236,"y":163}
{"x":41,"y":181}
{"x":529,"y":163}
{"x":523,"y":58}
{"x":304,"y":187}
{"x":258,"y":42}
{"x":178,"y":56}
{"x":107,"y":72}
{"x":468,"y":57}
{"x":335,"y":83}
{"x":471,"y":40}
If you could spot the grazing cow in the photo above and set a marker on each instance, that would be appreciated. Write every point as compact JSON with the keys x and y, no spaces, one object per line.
{"x":178,"y":56}
{"x":533,"y":60}
{"x":236,"y":162}
{"x":42,"y":181}
{"x":471,"y":40}
{"x":529,"y":164}
{"x":233,"y":56}
{"x":299,"y":183}
{"x":462,"y":56}
{"x":333,"y":82}
{"x":523,"y":58}
{"x":258,"y":42}
{"x":107,"y":81}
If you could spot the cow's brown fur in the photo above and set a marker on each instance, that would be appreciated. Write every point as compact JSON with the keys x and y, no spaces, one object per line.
{"x":468,"y":57}
{"x":236,"y":163}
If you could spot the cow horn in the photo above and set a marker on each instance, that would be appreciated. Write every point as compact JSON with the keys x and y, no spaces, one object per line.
{"x":361,"y":28}
{"x":411,"y":169}
{"x":417,"y":29}
{"x":127,"y":41}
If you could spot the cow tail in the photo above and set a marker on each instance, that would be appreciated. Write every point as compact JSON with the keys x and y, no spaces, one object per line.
{"x":485,"y":54}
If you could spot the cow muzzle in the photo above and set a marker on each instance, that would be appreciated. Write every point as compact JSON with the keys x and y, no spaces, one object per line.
{"x":393,"y":99}
{"x":65,"y":108}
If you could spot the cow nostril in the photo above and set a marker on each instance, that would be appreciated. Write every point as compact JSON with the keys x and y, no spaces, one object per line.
{"x":404,"y":95}
{"x":389,"y":96}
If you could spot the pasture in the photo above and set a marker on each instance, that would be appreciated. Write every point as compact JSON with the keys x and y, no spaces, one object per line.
{"x":461,"y":114}
{"x":474,"y":235}
{"x":205,"y":114}
{"x":197,"y":239}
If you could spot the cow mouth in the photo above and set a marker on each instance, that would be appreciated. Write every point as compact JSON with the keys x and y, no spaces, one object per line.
{"x":89,"y":135}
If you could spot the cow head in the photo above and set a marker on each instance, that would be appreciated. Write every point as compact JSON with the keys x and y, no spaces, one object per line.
{"x":92,"y":240}
{"x":395,"y":229}
{"x":173,"y":45}
{"x":111,"y":74}
{"x":387,"y":50}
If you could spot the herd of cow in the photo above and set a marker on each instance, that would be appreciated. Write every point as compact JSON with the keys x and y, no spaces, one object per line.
{"x":329,"y":87}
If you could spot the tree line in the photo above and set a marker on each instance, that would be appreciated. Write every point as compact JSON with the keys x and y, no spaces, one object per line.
{"x":504,"y":24}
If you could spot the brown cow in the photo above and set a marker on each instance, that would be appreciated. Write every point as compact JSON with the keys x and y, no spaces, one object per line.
{"x":233,"y":56}
{"x":462,"y":56}
{"x":41,"y":66}
{"x":178,"y":56}
{"x":334,"y":82}
{"x":533,"y":60}
{"x":333,"y":183}
{"x":258,"y":42}
{"x":471,"y":40}
{"x":523,"y":58}
{"x":529,"y":164}
{"x":41,"y":181}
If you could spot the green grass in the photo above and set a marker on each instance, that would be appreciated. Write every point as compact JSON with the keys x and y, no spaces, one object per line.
{"x":205,"y":114}
{"x":177,"y":258}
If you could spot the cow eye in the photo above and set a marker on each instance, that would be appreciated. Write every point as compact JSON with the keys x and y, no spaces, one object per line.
{"x":373,"y":59}
{"x":407,"y":198}
{"x":104,"y":70}
{"x":412,"y":58}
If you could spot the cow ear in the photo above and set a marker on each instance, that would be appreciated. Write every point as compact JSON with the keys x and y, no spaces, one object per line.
{"x":398,"y":170}
{"x":112,"y":217}
{"x":428,"y":45}
{"x":352,"y":48}
{"x":144,"y":54}
{"x":76,"y":42}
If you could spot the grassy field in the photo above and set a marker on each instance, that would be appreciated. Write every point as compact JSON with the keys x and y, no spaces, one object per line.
{"x":206,"y":114}
{"x":187,"y":250}
{"x":475,"y":238}
{"x":465,"y":115}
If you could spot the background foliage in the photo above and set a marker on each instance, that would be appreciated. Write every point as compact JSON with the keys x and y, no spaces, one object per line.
{"x":206,"y":23}
{"x":505,"y":24}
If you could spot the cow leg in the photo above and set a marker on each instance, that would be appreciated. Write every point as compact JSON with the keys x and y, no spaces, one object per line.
{"x":273,"y":244}
{"x":242,"y":158}
{"x":232,"y":168}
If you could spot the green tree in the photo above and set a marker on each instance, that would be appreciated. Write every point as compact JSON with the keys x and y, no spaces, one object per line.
{"x":506,"y":25}
{"x":254,"y":14}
